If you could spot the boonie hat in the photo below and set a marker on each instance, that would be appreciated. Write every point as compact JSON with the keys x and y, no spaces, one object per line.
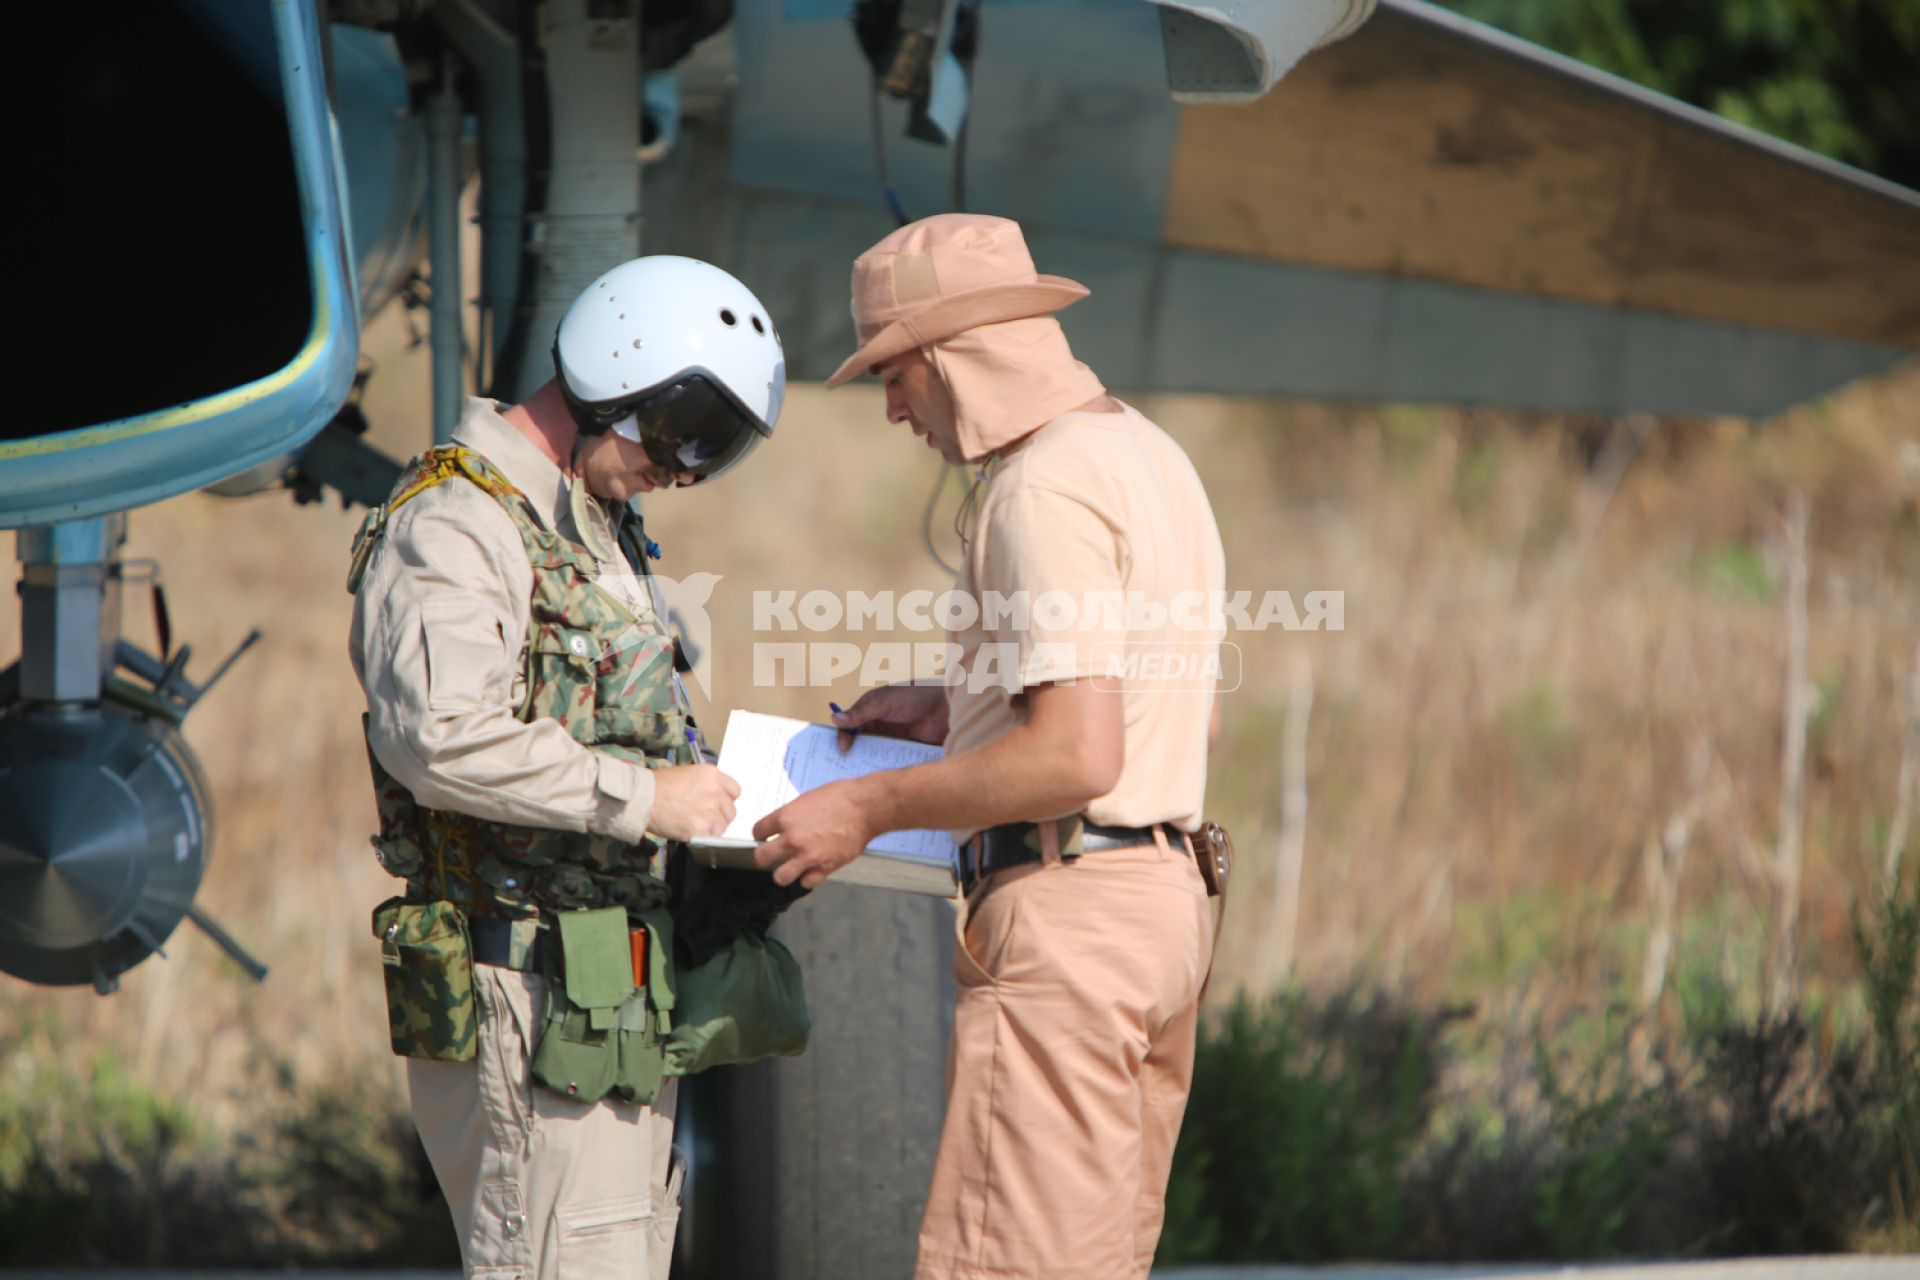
{"x":939,"y":277}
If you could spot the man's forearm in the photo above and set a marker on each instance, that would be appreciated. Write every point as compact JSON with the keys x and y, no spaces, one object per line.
{"x":500,"y":769}
{"x":1017,"y":777}
{"x":1066,"y":753}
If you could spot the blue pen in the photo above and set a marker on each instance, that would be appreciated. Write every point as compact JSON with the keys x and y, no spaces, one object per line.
{"x":686,"y":705}
{"x":839,"y":710}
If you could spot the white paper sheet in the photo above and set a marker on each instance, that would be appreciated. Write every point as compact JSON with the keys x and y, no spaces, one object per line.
{"x":774,"y":759}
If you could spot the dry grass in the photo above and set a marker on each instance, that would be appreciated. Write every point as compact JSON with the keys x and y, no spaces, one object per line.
{"x":1530,"y":657}
{"x":1530,"y":653}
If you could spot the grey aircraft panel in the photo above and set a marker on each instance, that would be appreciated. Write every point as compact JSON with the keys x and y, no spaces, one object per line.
{"x":1239,"y":326}
{"x":1071,"y":125}
{"x":1164,"y":319}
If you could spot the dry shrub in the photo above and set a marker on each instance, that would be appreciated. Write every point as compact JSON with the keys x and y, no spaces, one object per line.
{"x":1347,"y":1127}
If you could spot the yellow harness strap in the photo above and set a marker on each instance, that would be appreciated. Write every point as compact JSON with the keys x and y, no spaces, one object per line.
{"x":436,"y":467}
{"x":442,"y":464}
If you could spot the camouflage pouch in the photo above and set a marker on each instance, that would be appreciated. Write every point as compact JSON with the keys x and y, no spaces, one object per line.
{"x":427,"y":960}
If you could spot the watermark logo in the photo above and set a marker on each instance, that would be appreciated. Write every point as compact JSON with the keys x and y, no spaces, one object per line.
{"x":1019,"y":612}
{"x":680,"y":604}
{"x":990,"y":641}
{"x":1007,"y":666}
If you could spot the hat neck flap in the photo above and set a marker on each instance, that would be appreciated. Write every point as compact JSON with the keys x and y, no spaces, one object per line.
{"x":1009,"y":379}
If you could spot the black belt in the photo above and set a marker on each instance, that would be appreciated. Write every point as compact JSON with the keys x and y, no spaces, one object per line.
{"x":1016,"y":844}
{"x":513,"y":944}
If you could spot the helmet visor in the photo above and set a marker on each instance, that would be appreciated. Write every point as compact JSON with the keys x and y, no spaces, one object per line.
{"x":693,"y":426}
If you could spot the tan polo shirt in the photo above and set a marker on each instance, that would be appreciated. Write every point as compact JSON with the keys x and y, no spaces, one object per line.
{"x":439,"y":643}
{"x":1098,"y":523}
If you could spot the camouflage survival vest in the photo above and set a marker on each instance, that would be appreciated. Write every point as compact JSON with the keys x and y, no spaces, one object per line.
{"x":591,"y":664}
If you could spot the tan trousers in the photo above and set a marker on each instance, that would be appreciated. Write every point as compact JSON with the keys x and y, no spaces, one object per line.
{"x":1073,"y":1033}
{"x":542,"y":1186}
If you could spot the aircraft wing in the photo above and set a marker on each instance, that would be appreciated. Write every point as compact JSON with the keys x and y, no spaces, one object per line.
{"x":1427,"y":210}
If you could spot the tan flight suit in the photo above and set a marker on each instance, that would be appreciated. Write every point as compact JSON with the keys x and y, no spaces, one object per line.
{"x":540,"y":1185}
{"x":1079,"y":980}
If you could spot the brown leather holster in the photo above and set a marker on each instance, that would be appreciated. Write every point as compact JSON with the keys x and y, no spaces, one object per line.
{"x":1213,"y":850}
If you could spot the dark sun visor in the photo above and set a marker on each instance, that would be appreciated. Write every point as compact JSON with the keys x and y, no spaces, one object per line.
{"x":691,"y":425}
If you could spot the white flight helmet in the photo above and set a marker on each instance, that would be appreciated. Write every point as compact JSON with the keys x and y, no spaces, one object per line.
{"x":676,"y":355}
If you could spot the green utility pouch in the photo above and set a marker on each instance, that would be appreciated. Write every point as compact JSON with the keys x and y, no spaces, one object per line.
{"x":748,"y":1002}
{"x":602,"y":1035}
{"x":428,"y":964}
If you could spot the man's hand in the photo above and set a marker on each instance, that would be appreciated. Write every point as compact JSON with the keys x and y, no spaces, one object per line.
{"x":691,"y":800}
{"x":813,"y":836}
{"x":916,"y":711}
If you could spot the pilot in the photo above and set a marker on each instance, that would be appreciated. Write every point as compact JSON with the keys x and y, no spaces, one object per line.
{"x":1069,"y":776}
{"x":530,"y":756}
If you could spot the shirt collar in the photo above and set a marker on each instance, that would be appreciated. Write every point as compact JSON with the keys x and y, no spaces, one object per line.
{"x":533,"y":473}
{"x":547,"y":489}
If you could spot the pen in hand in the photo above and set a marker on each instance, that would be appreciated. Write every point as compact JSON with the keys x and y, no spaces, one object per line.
{"x":847,"y":735}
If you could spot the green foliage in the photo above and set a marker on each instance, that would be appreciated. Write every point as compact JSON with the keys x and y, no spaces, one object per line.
{"x":1824,"y":725}
{"x":1475,"y":475}
{"x":1499,"y":943}
{"x":75,"y":1149}
{"x":1351,"y":1128}
{"x":1537,"y":725}
{"x":95,"y":1170}
{"x":1835,"y":76}
{"x":1408,"y":432}
{"x":1304,"y":1163}
{"x":1888,"y":945}
{"x":1734,"y":570}
{"x":342,"y":1181}
{"x":1612,"y":1137}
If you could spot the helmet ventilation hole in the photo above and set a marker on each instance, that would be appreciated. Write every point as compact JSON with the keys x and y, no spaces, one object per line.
{"x":727,"y":318}
{"x":638,"y":343}
{"x":757,"y":326}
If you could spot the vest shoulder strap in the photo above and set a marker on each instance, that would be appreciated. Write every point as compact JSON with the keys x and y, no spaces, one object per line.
{"x":434,"y":467}
{"x":438,"y":465}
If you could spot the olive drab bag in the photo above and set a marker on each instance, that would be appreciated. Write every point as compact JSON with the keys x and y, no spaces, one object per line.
{"x":606,"y":674}
{"x":746,"y":1003}
{"x":602,"y":1034}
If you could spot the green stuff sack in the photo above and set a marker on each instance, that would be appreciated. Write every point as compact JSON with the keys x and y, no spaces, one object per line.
{"x":748,"y":1002}
{"x":427,"y":960}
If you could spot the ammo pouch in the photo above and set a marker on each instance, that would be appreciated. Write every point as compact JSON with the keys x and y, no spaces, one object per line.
{"x":746,"y":1003}
{"x":602,"y":1034}
{"x":427,"y":961}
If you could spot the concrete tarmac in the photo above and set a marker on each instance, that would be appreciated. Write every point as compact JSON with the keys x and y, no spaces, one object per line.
{"x":1849,"y":1267}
